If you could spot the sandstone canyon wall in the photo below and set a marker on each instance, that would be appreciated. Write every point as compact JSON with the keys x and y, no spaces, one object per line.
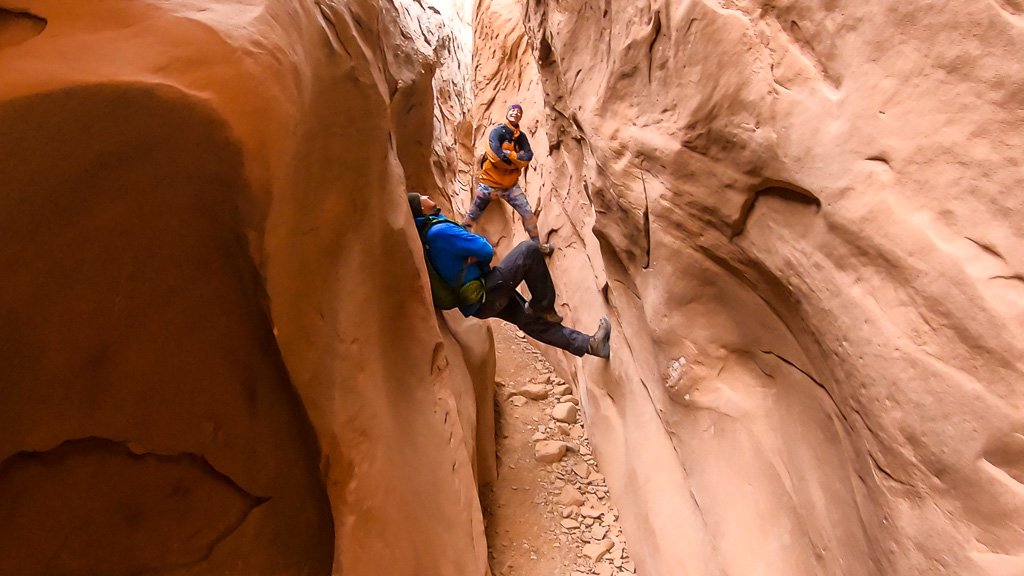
{"x":805,"y":221}
{"x":219,"y":355}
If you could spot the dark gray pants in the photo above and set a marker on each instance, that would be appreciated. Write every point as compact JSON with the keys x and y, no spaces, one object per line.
{"x":526,"y":263}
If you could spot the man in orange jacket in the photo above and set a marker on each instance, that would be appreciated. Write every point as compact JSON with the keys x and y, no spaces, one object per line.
{"x":508,"y":152}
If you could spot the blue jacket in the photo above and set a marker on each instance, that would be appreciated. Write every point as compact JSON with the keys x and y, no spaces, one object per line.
{"x":449,"y":246}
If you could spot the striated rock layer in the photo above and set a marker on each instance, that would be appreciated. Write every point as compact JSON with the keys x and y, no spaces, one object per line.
{"x":805,"y":220}
{"x":219,"y":355}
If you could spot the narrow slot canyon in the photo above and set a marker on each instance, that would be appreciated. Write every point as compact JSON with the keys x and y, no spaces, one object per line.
{"x":221,"y":351}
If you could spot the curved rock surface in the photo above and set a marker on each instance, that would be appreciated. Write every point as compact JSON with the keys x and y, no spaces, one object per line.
{"x":804,"y":219}
{"x":202,"y":204}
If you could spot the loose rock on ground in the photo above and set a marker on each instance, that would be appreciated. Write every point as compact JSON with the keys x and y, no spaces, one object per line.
{"x":567,"y":526}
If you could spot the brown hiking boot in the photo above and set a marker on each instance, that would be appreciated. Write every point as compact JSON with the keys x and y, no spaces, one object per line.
{"x":600,"y":342}
{"x":547,"y":248}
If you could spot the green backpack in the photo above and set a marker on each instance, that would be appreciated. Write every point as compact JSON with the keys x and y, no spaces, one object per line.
{"x":447,"y":296}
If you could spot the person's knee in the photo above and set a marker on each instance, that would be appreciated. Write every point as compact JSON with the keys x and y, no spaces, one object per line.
{"x":531,"y":250}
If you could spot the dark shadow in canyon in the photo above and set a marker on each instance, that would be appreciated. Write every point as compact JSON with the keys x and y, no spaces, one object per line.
{"x":133,"y":314}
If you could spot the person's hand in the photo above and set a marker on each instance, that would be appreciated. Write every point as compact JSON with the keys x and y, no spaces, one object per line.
{"x":471,"y":260}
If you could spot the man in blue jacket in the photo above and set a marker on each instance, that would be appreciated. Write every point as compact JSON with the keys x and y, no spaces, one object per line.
{"x":461,"y":257}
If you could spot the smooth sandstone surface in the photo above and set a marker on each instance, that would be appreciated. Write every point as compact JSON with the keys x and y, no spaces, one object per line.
{"x":804,"y":221}
{"x":219,"y":355}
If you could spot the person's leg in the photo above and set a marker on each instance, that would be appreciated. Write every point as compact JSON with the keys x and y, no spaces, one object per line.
{"x":518,"y":201}
{"x":526,"y":263}
{"x":550,"y":333}
{"x":504,"y":302}
{"x":480,"y":202}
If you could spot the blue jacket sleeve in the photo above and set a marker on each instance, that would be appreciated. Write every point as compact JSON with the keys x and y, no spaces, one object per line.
{"x":450,"y":247}
{"x":525,"y":153}
{"x":465,"y":244}
{"x":498,"y":137}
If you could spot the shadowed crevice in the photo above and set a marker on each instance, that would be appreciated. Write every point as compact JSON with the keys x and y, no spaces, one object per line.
{"x":1016,"y":277}
{"x":128,"y":512}
{"x":880,"y":159}
{"x":782,"y":190}
{"x":133,"y":310}
{"x":991,"y":250}
{"x":1011,"y":7}
{"x":647,"y":220}
{"x":327,"y":23}
{"x":19,"y":27}
{"x":655,"y":34}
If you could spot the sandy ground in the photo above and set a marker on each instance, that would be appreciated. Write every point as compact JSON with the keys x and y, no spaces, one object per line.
{"x":545,"y":519}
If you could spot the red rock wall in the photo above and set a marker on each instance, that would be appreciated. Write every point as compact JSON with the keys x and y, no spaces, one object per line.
{"x":219,"y":353}
{"x":803,"y":219}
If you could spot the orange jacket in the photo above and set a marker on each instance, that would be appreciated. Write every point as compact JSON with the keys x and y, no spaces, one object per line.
{"x":508,"y":152}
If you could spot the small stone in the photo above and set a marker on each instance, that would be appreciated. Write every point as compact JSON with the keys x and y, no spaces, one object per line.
{"x":548,"y":451}
{"x":562,"y":390}
{"x":565,"y":512}
{"x":533,"y":391}
{"x":597,"y":550}
{"x":520,"y":334}
{"x":563,"y":428}
{"x":565,"y":412}
{"x":591,"y":512}
{"x":604,"y":570}
{"x":518,"y":401}
{"x":581,"y":470}
{"x":570,"y":497}
{"x":569,"y":524}
{"x":570,"y":398}
{"x":598,"y":532}
{"x":537,"y":437}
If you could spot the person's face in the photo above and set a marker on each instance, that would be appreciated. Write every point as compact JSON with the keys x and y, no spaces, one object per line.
{"x":514,"y":115}
{"x":428,"y":206}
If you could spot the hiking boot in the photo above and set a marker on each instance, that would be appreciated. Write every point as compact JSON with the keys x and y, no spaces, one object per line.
{"x":549,"y":315}
{"x":600,"y":342}
{"x":547,"y":248}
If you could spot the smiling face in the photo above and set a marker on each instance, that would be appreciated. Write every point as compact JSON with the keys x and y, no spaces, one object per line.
{"x":514,"y":114}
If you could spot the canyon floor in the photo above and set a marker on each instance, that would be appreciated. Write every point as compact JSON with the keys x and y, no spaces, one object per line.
{"x":546,"y":519}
